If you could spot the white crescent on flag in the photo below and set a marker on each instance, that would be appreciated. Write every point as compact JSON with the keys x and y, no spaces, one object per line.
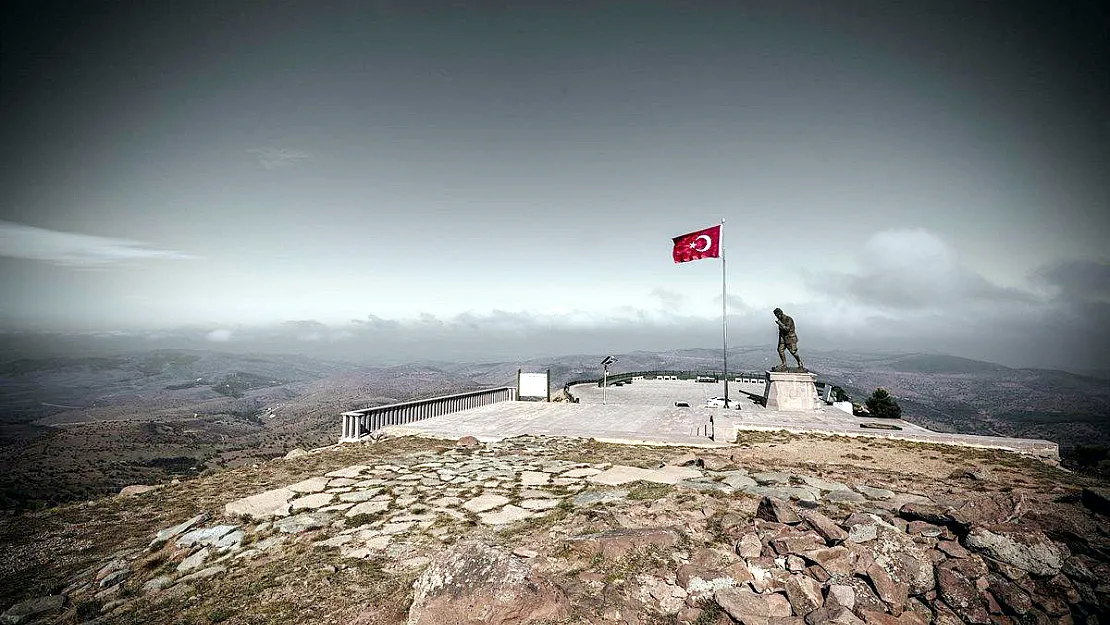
{"x":708,"y":243}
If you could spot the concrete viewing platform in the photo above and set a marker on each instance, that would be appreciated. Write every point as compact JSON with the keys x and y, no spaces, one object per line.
{"x":645,"y":412}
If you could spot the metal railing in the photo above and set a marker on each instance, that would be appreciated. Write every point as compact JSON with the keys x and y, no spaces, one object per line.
{"x":360,"y":423}
{"x":733,"y":376}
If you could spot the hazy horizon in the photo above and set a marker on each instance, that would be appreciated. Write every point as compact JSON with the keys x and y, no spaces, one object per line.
{"x":501,"y":178}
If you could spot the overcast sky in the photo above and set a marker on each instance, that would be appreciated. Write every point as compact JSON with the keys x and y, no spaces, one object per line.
{"x":923,"y":176}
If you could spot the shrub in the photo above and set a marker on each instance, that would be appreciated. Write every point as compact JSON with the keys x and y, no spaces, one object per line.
{"x":882,"y":405}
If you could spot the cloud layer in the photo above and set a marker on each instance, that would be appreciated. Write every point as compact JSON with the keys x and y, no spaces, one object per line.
{"x":277,"y":158}
{"x":70,"y":249}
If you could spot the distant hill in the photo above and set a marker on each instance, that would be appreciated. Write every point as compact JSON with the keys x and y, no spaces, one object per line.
{"x":939,"y":363}
{"x":75,"y":427}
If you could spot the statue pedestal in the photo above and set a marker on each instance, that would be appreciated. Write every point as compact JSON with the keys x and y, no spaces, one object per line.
{"x":791,"y":391}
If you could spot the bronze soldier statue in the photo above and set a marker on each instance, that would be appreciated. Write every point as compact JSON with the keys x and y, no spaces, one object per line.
{"x":787,"y":340}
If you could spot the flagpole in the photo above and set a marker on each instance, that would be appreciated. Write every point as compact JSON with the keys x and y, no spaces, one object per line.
{"x":724,"y":311}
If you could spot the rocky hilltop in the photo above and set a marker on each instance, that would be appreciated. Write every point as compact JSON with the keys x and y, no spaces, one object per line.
{"x":776,"y":529}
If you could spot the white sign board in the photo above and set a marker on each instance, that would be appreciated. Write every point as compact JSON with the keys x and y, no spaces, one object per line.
{"x":533,"y":385}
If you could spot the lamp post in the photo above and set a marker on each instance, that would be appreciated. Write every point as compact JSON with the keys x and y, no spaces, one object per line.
{"x":605,"y":362}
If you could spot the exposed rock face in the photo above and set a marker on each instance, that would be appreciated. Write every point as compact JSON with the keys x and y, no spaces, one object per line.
{"x":476,"y":583}
{"x":1030,"y":551}
{"x":26,"y":610}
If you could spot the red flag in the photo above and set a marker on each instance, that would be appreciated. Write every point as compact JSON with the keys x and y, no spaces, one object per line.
{"x":697,"y":245}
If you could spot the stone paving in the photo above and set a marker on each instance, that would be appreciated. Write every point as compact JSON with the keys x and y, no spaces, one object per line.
{"x":392,"y":509}
{"x":381,"y":506}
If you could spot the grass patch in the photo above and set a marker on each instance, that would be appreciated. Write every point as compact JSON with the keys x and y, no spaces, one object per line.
{"x":710,"y":613}
{"x":646,"y":491}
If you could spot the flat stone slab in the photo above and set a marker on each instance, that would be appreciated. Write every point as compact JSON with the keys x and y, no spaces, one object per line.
{"x":311,"y":485}
{"x":311,"y":502}
{"x":584,"y":472}
{"x":591,"y":497}
{"x":504,"y":516}
{"x":534,"y":478}
{"x":355,"y":470}
{"x":739,"y":481}
{"x":876,"y":493}
{"x":267,"y":504}
{"x":826,"y":485}
{"x":481,"y":503}
{"x":205,"y":536}
{"x":170,"y":532}
{"x":194,"y":561}
{"x":360,"y":495}
{"x":539,"y":504}
{"x":368,"y":507}
{"x":302,"y":522}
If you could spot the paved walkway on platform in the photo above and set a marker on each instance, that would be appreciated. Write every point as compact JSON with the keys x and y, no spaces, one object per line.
{"x":613,"y":423}
{"x":644,"y":412}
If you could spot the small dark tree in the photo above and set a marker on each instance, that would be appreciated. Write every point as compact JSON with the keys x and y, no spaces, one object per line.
{"x":838,"y":394}
{"x":881,"y":404}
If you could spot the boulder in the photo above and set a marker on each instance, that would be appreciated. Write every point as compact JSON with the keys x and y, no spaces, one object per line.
{"x":844,"y":596}
{"x":961,"y":595}
{"x":26,"y":610}
{"x":893,"y":593}
{"x":477,"y":583}
{"x":295,"y":453}
{"x":700,"y":582}
{"x":467,"y":441}
{"x":804,"y":594}
{"x":824,"y":526}
{"x":749,"y":546}
{"x":742,"y":604}
{"x":832,"y":614}
{"x":1028,"y":550}
{"x":871,"y":617}
{"x":136,"y":489}
{"x":834,"y":560}
{"x":777,"y":510}
{"x":905,"y":560}
{"x":931,"y":513}
{"x":953,"y":549}
{"x":194,"y":561}
{"x":1097,"y":500}
{"x":797,"y":544}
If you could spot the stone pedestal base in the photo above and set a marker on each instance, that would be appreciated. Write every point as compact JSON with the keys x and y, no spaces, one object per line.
{"x":791,"y":391}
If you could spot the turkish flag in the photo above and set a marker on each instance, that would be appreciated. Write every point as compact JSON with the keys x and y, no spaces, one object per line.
{"x":697,"y":245}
